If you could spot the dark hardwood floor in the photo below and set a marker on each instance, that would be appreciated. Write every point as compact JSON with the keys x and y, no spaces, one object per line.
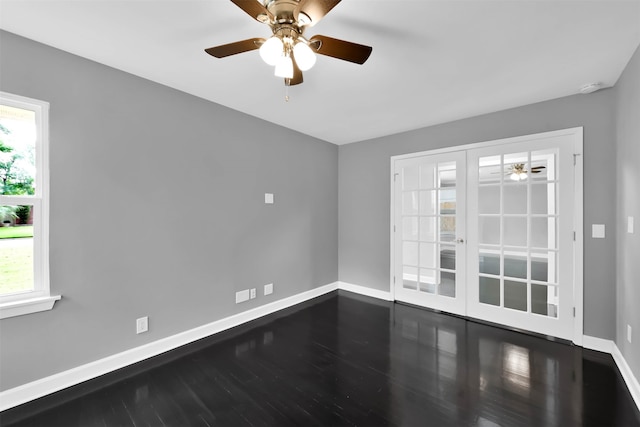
{"x":343,"y":359}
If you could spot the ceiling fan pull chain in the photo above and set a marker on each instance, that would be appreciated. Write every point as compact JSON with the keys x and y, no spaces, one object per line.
{"x":286,"y":93}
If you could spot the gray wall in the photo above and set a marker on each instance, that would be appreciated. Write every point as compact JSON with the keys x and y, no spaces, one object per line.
{"x":628,"y":194}
{"x":365,"y":191}
{"x":157,"y":209}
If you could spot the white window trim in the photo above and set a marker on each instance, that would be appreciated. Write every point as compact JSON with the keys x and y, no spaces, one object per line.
{"x":40,"y":299}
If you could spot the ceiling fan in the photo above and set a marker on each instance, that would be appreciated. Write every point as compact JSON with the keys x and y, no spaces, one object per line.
{"x":518,"y":172}
{"x":287,"y":49}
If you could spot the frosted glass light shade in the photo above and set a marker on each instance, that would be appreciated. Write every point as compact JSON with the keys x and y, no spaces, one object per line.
{"x":305,"y":58}
{"x":284,"y":67}
{"x":271,"y":50}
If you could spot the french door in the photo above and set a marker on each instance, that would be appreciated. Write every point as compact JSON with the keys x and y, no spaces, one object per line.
{"x":488,"y":232}
{"x":521,"y":236}
{"x":430,"y":206}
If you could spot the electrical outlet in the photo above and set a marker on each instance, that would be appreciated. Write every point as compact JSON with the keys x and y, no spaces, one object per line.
{"x":268,"y":289}
{"x":242,"y":296}
{"x":142,"y":325}
{"x":629,"y":333}
{"x":252,"y":294}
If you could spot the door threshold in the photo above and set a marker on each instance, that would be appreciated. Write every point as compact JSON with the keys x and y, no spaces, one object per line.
{"x":487,"y":323}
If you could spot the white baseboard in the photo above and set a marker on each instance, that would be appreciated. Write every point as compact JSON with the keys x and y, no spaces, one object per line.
{"x":363,"y":290}
{"x":42,"y":387}
{"x":597,"y":344}
{"x":610,"y":347}
{"x":627,"y":374}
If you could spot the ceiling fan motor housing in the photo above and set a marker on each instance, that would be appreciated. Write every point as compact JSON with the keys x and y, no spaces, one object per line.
{"x":282,"y":12}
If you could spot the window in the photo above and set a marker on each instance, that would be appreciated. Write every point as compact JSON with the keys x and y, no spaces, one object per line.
{"x":24,"y":206}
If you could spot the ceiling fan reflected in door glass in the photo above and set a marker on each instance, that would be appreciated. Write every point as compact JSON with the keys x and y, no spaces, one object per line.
{"x":517,"y":171}
{"x":288,"y":50}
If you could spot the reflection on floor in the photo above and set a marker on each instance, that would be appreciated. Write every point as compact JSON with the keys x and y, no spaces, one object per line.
{"x":344,"y":359}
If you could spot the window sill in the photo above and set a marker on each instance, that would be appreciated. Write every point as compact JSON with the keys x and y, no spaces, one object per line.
{"x":27,"y":306}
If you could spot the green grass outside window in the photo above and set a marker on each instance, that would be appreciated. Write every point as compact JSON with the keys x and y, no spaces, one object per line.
{"x":16,"y":262}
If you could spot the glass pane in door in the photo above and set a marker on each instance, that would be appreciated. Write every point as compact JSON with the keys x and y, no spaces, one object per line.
{"x":490,"y":290}
{"x":409,"y":277}
{"x":491,"y":170}
{"x":515,"y":295}
{"x":428,"y":280}
{"x":448,"y":284}
{"x":515,"y":198}
{"x":428,"y":255}
{"x":543,"y":165}
{"x":490,"y":199}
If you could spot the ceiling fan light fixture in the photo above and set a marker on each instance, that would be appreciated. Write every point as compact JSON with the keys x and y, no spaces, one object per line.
{"x":284,"y":67}
{"x":303,"y":19}
{"x":305,"y":58}
{"x":518,"y":176}
{"x":271,"y":50}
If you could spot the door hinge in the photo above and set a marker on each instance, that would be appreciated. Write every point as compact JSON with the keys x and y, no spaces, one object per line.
{"x":394,"y":280}
{"x":395,"y":175}
{"x":574,"y":312}
{"x":575,"y":156}
{"x":394,"y":228}
{"x":574,"y":236}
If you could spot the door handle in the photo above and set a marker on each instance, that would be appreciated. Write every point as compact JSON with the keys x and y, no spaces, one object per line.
{"x":460,"y":240}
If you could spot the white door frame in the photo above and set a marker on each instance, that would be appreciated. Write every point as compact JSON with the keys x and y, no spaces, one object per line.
{"x":576,"y":135}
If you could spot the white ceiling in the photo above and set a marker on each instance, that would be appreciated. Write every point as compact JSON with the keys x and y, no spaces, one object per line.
{"x":432,"y":61}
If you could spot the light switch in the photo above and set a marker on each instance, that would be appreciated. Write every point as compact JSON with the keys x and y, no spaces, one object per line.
{"x":268,"y":198}
{"x":630,"y":225}
{"x":597,"y":231}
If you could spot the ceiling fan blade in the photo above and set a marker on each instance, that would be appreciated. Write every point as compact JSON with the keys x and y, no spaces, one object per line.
{"x":340,"y":49}
{"x":235,"y":48}
{"x":538,"y":167}
{"x":314,"y":9}
{"x":297,"y":75}
{"x":254,"y":9}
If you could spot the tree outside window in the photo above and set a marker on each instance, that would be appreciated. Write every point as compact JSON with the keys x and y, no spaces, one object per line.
{"x":17,"y":178}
